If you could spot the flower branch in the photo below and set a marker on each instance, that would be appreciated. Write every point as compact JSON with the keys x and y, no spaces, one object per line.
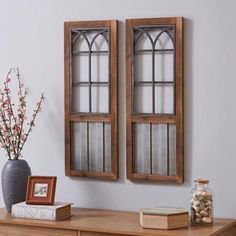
{"x":12,"y":120}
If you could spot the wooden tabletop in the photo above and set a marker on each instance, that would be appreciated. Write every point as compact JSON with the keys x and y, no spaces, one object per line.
{"x":118,"y":222}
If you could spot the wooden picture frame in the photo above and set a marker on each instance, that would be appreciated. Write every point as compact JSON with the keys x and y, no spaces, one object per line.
{"x":41,"y":190}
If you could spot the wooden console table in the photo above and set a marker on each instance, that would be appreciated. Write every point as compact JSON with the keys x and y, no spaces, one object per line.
{"x":92,"y":222}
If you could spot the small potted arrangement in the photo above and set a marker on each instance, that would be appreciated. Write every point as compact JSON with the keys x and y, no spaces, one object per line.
{"x":14,"y":132}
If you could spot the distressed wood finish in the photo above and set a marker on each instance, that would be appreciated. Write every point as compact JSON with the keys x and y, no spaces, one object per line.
{"x":18,"y":230}
{"x":93,"y":222}
{"x":177,"y":118}
{"x":95,"y":117}
{"x":153,"y":119}
{"x":129,"y":143}
{"x":67,"y":98}
{"x":102,"y":175}
{"x":180,"y":99}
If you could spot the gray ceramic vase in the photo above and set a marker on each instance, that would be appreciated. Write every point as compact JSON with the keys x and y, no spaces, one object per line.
{"x":14,"y":182}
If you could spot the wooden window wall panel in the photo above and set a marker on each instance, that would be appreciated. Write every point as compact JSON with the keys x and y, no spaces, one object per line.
{"x":153,"y":116}
{"x":83,"y":90}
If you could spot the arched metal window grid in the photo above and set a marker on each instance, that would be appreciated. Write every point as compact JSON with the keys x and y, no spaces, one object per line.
{"x":82,"y":34}
{"x":146,"y":30}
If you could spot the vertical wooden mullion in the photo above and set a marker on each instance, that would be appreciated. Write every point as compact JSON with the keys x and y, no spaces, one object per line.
{"x":109,"y":71}
{"x":129,"y":130}
{"x":174,"y":74}
{"x":114,"y":96}
{"x":67,"y":56}
{"x":179,"y":100}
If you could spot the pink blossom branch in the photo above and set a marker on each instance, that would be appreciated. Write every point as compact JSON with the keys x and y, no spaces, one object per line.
{"x":21,"y":110}
{"x":31,"y":124}
{"x":5,"y":127}
{"x":10,"y":112}
{"x":4,"y":145}
{"x":12,"y":135}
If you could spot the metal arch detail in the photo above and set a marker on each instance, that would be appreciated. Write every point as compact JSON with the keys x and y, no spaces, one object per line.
{"x":102,"y":33}
{"x":143,"y":31}
{"x":84,"y":33}
{"x":159,"y":35}
{"x":79,"y":33}
{"x":169,"y":30}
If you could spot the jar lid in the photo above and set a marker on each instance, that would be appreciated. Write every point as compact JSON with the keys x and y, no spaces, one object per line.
{"x":202,"y":181}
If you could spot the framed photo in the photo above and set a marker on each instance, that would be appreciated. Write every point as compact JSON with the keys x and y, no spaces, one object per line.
{"x":41,"y":190}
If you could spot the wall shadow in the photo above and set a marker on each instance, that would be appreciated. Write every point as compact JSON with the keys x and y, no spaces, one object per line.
{"x":188,"y":100}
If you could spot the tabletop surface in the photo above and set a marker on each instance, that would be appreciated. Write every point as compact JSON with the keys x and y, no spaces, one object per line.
{"x":119,"y":222}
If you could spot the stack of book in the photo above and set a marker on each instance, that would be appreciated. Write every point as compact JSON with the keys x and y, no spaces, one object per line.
{"x":58,"y":211}
{"x":164,"y":218}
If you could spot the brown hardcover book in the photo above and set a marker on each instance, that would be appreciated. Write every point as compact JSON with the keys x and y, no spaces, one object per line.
{"x":164,"y":218}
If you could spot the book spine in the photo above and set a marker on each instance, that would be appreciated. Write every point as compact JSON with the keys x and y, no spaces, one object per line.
{"x":33,"y":213}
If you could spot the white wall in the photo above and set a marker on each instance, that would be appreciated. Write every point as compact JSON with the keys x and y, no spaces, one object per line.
{"x":31,"y":37}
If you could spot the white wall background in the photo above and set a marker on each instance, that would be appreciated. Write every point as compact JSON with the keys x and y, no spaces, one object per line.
{"x":31,"y":37}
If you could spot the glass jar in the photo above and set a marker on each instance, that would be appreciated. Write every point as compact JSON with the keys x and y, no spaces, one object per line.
{"x":201,"y":203}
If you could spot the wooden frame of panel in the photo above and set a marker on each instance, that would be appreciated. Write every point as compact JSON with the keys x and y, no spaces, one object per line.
{"x":177,"y":118}
{"x":111,"y":116}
